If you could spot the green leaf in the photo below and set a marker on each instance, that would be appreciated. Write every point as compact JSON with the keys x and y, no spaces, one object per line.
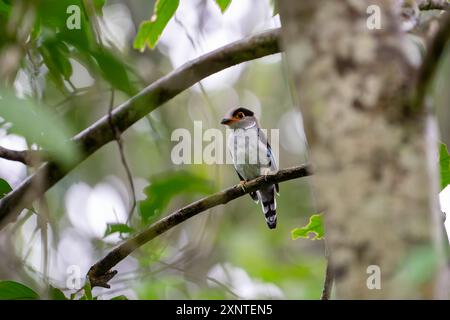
{"x":121,"y":297}
{"x":38,"y":125}
{"x":4,"y":188}
{"x":150,"y":30}
{"x":117,"y":227}
{"x":114,"y":71}
{"x":4,"y":7}
{"x":223,"y":4}
{"x":444,"y":165}
{"x":98,"y":5}
{"x":56,"y":57}
{"x":315,"y":226}
{"x":87,"y":291}
{"x":11,"y":290}
{"x":163,"y":188}
{"x":52,"y":18}
{"x":56,"y":294}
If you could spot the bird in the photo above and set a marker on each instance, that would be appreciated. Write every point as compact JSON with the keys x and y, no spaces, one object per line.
{"x":252,"y":157}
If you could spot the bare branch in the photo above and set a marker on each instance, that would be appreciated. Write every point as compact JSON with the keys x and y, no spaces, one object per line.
{"x":328,"y":282}
{"x":122,"y":157}
{"x":132,"y":110}
{"x":100,"y":273}
{"x":27,"y":157}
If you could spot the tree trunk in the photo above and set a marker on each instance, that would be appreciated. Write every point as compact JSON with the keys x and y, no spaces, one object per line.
{"x":374,"y":157}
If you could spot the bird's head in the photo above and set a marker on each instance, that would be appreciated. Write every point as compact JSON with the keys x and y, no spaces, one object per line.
{"x":239,"y":118}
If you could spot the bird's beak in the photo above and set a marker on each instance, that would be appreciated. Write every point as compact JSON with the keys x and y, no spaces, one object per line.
{"x":227,"y":121}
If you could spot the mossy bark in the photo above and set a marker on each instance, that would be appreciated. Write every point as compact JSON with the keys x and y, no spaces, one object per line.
{"x":374,"y":157}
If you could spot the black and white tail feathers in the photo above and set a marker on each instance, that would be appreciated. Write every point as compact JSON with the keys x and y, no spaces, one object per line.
{"x":269,"y":206}
{"x":271,"y":217}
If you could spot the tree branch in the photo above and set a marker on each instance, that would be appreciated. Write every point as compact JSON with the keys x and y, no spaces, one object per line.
{"x":430,"y":63}
{"x":129,"y":112}
{"x":100,"y":273}
{"x":27,"y":157}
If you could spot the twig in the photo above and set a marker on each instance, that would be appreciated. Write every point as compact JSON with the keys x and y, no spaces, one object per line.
{"x":122,"y":157}
{"x":200,"y":84}
{"x":27,"y":157}
{"x":124,"y":116}
{"x":328,"y":282}
{"x":100,"y":273}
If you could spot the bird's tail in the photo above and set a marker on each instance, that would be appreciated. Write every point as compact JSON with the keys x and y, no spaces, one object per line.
{"x":270,"y":213}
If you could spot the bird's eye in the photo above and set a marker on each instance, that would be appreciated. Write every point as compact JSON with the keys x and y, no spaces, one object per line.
{"x":240,"y":115}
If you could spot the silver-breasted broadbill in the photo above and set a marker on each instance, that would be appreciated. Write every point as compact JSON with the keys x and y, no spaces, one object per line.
{"x":252,"y":157}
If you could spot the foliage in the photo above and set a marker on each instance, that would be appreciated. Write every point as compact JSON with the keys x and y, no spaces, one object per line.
{"x":11,"y":290}
{"x":39,"y":127}
{"x":444,"y":165}
{"x":87,"y":292}
{"x":4,"y":188}
{"x":315,"y":227}
{"x":56,"y":44}
{"x":150,"y":31}
{"x":56,"y":294}
{"x":223,"y":4}
{"x":117,"y":228}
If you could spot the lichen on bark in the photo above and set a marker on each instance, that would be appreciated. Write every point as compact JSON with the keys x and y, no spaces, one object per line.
{"x":368,"y":149}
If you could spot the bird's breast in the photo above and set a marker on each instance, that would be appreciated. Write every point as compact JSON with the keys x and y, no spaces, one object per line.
{"x":246,"y":152}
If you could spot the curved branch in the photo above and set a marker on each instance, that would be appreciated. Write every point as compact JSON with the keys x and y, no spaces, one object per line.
{"x":132,"y":110}
{"x":27,"y":157}
{"x":100,"y":273}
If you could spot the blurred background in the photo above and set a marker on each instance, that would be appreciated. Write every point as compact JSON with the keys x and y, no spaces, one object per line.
{"x":225,"y":253}
{"x":67,"y":75}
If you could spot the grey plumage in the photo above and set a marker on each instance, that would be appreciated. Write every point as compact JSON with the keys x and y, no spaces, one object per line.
{"x":252,"y":157}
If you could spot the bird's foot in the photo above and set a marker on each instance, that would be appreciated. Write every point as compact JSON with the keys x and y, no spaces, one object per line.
{"x":242,"y":183}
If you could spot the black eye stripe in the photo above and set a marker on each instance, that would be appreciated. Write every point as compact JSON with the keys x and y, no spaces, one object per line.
{"x":244,"y":111}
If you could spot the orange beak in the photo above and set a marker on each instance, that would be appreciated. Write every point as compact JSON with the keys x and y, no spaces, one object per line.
{"x":228,"y":121}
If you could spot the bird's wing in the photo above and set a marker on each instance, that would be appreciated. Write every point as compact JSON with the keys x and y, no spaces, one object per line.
{"x":272,"y":163}
{"x":270,"y":156}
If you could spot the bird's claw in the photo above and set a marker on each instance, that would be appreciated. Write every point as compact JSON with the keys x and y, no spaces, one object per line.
{"x":242,"y":183}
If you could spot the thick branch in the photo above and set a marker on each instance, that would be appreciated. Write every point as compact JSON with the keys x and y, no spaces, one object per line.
{"x":431,"y":62}
{"x":27,"y":157}
{"x":129,"y":112}
{"x":100,"y":273}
